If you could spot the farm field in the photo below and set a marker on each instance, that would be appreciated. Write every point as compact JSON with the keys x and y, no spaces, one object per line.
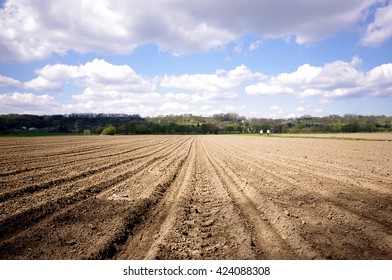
{"x":370,"y":136}
{"x":195,"y":197}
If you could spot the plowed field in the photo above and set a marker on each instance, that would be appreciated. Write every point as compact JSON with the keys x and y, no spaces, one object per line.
{"x":195,"y":197}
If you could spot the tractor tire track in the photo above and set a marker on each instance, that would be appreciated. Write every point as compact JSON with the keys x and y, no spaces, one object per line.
{"x":271,"y":236}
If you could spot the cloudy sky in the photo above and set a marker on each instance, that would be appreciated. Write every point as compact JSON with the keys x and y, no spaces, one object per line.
{"x":258,"y":58}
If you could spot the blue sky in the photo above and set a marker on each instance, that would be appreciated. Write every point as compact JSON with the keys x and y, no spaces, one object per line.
{"x":274,"y":59}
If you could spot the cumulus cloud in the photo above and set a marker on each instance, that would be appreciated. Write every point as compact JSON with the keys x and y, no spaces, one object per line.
{"x":118,"y":88}
{"x":27,"y":103}
{"x":96,"y":75}
{"x":380,"y":30}
{"x":120,"y":106}
{"x":100,"y":81}
{"x":379,"y":80}
{"x":41,"y":83}
{"x":102,"y":86}
{"x":206,"y":87}
{"x":268,"y":89}
{"x":338,"y":79}
{"x":34,"y":29}
{"x":99,"y":86}
{"x":9,"y":82}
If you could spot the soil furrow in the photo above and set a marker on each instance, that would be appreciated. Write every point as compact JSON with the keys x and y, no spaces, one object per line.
{"x":142,"y":241}
{"x":38,"y":158}
{"x":88,"y":172}
{"x":76,"y":157}
{"x":23,"y":219}
{"x":192,"y":221}
{"x":336,"y":215}
{"x":194,"y":197}
{"x":323,"y":166}
{"x":273,"y":242}
{"x":313,"y":183}
{"x":127,"y":213}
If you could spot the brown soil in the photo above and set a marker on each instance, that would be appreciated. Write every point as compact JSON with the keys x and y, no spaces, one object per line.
{"x":195,"y":197}
{"x":362,"y":135}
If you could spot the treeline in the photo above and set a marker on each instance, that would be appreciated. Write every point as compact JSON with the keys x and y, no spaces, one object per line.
{"x":228,"y":123}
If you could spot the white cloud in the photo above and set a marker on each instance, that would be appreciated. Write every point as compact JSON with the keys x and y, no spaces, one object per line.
{"x":380,"y":30}
{"x":291,"y":116}
{"x":99,"y":72}
{"x":331,"y":75}
{"x":104,"y":87}
{"x":206,"y":107}
{"x":267,"y":89}
{"x":169,"y":107}
{"x":318,"y":111}
{"x":206,"y":87}
{"x":121,"y":106}
{"x":129,"y":97}
{"x":324,"y":101}
{"x":28,"y":103}
{"x":34,"y":29}
{"x":255,"y":45}
{"x":338,"y":79}
{"x":306,"y":110}
{"x":41,"y":83}
{"x":118,"y":88}
{"x":98,"y":86}
{"x":221,"y":80}
{"x":9,"y":82}
{"x":233,"y":108}
{"x":99,"y":78}
{"x":239,"y":47}
{"x":177,"y":96}
{"x":276,"y":111}
{"x":378,"y":81}
{"x":59,"y":72}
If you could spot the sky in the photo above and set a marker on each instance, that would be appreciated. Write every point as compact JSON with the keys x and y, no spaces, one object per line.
{"x":257,"y":58}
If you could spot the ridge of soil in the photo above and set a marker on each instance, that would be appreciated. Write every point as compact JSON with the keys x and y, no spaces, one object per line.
{"x":195,"y":197}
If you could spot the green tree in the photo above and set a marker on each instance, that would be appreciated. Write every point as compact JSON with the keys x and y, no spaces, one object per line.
{"x":131,"y":127}
{"x":97,"y":129}
{"x":109,"y":130}
{"x":204,"y":128}
{"x":142,"y":129}
{"x":337,"y":127}
{"x":78,"y":126}
{"x":369,"y":126}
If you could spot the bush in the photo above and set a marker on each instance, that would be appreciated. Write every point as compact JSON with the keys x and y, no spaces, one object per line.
{"x":109,"y":130}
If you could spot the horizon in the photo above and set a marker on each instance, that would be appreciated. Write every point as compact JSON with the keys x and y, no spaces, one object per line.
{"x":277,"y":60}
{"x":202,"y":116}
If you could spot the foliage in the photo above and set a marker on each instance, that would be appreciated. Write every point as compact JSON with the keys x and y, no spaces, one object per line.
{"x":109,"y":130}
{"x":230,"y":123}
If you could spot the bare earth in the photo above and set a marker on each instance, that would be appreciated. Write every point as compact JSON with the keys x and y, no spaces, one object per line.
{"x":371,"y":136}
{"x":195,"y":197}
